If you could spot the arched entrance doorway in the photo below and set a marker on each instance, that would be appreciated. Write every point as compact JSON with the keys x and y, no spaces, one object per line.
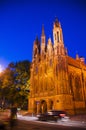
{"x":43,"y":106}
{"x":40,"y":107}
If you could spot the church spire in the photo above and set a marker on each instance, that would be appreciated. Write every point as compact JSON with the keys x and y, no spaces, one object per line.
{"x":43,"y":42}
{"x":57,"y":23}
{"x":36,"y":48}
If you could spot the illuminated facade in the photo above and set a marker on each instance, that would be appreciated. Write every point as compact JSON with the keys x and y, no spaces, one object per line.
{"x":58,"y":81}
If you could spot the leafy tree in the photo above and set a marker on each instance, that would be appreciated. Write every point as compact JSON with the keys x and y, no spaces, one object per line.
{"x":14,"y":83}
{"x":22,"y":75}
{"x":7,"y":82}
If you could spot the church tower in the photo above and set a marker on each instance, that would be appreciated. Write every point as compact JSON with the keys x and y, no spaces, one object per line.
{"x":58,"y":39}
{"x":61,"y":68}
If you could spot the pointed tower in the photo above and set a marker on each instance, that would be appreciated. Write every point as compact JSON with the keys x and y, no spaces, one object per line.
{"x":49,"y":48}
{"x":58,"y":39}
{"x":43,"y":42}
{"x":61,"y":68}
{"x":36,"y":49}
{"x":77,"y":57}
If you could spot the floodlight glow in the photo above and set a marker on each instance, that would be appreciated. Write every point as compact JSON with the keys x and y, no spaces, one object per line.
{"x":0,"y":68}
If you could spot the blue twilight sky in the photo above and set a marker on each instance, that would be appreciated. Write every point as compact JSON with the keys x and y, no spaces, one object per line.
{"x":21,"y":21}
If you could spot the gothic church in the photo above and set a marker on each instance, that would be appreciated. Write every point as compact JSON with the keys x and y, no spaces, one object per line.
{"x":57,"y":80}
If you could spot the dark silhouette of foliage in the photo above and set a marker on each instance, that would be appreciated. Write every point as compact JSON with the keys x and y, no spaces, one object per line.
{"x":14,"y":83}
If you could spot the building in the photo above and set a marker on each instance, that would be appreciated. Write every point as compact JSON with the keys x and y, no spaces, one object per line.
{"x":58,"y":81}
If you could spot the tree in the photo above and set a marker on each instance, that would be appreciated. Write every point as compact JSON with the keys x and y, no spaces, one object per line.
{"x":14,"y":82}
{"x":7,"y":81}
{"x":22,"y":74}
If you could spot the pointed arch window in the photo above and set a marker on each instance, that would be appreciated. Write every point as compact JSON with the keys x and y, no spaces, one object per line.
{"x":55,"y":36}
{"x":70,"y":83}
{"x":78,"y":89}
{"x":58,"y":37}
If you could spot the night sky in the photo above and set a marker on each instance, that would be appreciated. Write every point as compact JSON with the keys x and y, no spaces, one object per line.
{"x":21,"y":21}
